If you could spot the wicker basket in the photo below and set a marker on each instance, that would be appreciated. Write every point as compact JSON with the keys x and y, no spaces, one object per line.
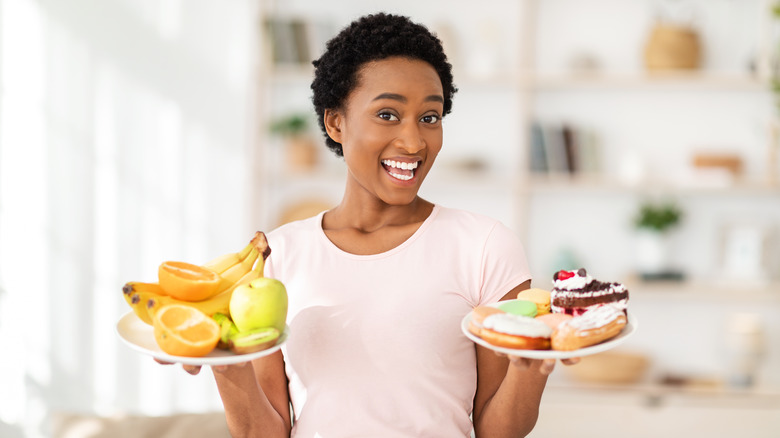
{"x":672,"y":48}
{"x":610,"y":367}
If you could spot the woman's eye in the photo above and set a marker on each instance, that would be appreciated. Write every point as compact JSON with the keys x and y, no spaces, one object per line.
{"x":388,"y":116}
{"x":431,"y":119}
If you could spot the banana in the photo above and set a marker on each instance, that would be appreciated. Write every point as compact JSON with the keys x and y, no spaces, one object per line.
{"x":226,"y":261}
{"x":136,"y":294}
{"x":235,"y":272}
{"x":221,"y":302}
{"x":139,"y":286}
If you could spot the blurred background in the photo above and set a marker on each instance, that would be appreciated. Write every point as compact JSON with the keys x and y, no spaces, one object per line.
{"x":636,"y":138}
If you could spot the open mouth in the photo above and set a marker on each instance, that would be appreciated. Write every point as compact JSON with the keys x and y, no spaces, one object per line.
{"x":400,"y":170}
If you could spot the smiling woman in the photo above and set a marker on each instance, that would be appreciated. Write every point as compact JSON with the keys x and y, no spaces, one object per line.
{"x":390,"y":130}
{"x":379,"y":284}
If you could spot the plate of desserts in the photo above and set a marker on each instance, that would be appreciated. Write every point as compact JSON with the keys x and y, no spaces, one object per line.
{"x":579,"y":316}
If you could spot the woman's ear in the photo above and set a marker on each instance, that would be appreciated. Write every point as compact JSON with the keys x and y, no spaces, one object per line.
{"x":333,"y":120}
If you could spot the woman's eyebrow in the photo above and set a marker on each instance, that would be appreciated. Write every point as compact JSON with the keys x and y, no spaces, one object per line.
{"x":392,"y":96}
{"x":402,"y":99}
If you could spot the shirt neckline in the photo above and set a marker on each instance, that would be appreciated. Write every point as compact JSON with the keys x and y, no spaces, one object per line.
{"x":333,"y":248}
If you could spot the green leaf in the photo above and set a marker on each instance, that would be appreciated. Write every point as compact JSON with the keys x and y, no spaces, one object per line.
{"x":658,"y":216}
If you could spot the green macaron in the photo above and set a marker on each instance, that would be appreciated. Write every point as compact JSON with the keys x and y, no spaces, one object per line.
{"x":518,"y":307}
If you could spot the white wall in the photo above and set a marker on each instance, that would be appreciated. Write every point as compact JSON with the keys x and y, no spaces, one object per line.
{"x":125,"y":139}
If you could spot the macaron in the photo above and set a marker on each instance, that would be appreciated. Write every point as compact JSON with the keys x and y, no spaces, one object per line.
{"x":519,"y":307}
{"x":540,"y":297}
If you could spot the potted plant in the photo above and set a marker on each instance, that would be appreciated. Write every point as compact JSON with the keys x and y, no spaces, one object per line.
{"x":653,"y":224}
{"x":300,"y":148}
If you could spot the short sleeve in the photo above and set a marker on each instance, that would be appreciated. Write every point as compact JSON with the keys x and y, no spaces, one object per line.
{"x":504,"y":264}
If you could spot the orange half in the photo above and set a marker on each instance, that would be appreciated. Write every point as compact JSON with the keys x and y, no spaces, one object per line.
{"x":182,"y":330}
{"x":188,"y":282}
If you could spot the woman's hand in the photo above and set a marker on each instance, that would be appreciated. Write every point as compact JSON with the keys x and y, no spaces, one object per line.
{"x":546,"y":366}
{"x":195,"y":369}
{"x":191,"y":369}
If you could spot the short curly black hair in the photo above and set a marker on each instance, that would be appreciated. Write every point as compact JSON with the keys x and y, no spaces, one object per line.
{"x":371,"y":38}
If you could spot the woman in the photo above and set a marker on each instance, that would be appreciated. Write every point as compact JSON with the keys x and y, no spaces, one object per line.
{"x":379,"y":284}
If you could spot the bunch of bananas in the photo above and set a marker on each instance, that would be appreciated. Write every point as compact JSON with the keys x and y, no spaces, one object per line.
{"x":234,"y":269}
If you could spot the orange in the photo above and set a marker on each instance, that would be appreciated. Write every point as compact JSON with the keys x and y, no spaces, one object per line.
{"x":182,"y":330}
{"x":188,"y":282}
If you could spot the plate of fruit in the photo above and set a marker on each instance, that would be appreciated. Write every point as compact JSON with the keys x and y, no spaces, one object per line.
{"x":220,"y":313}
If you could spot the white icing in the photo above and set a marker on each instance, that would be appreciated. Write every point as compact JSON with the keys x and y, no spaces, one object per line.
{"x":517,"y":325}
{"x":596,"y":317}
{"x":576,"y":282}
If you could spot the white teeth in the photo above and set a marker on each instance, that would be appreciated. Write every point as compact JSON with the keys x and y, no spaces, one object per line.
{"x":401,"y":164}
{"x":401,"y":177}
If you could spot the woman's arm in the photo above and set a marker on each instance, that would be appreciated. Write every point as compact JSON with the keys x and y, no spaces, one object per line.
{"x":255,"y":397}
{"x":507,"y":400}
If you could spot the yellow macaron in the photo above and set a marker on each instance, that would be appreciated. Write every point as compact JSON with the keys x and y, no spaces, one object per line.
{"x":540,"y":297}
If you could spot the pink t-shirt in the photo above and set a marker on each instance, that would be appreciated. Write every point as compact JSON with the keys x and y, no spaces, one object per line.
{"x":375,"y":346}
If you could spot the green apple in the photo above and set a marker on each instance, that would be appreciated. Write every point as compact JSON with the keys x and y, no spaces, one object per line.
{"x":260,"y":303}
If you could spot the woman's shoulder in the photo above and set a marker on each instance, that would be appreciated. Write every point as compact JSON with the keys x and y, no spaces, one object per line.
{"x":302,"y":228}
{"x":465,"y":218}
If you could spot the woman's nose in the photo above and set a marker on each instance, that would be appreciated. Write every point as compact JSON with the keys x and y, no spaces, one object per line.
{"x":410,"y":138}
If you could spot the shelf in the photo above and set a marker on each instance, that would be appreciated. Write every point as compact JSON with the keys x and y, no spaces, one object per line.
{"x":689,"y":80}
{"x":536,"y":184}
{"x":711,"y":290}
{"x":756,"y":397}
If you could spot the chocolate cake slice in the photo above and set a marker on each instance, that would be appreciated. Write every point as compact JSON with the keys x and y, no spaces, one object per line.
{"x":573,"y":293}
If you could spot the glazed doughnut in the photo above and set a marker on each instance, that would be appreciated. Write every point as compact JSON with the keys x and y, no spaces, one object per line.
{"x":515,"y":331}
{"x":478,"y":315}
{"x":592,"y":327}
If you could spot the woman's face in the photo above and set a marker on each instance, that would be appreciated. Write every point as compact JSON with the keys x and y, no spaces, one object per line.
{"x":390,"y":128}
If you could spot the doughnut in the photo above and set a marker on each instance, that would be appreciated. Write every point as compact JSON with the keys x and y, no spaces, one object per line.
{"x":478,"y":315}
{"x":553,"y":320}
{"x":540,"y":297}
{"x":515,"y":331}
{"x":518,"y":307}
{"x":592,"y":327}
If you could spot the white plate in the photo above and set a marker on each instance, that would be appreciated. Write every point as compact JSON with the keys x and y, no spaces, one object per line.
{"x":140,"y":337}
{"x":628,"y":330}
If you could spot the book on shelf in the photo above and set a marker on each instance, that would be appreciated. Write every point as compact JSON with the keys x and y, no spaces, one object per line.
{"x":561,"y":149}
{"x":538,"y":152}
{"x":296,"y":41}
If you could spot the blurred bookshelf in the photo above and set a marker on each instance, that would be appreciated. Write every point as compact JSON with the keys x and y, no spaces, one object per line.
{"x":575,"y":157}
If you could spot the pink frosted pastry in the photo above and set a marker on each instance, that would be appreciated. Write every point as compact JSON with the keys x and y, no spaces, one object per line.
{"x":553,"y":320}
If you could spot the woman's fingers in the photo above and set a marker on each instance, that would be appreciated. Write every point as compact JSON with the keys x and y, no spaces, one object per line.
{"x":571,"y":361}
{"x":191,"y":369}
{"x":547,"y":366}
